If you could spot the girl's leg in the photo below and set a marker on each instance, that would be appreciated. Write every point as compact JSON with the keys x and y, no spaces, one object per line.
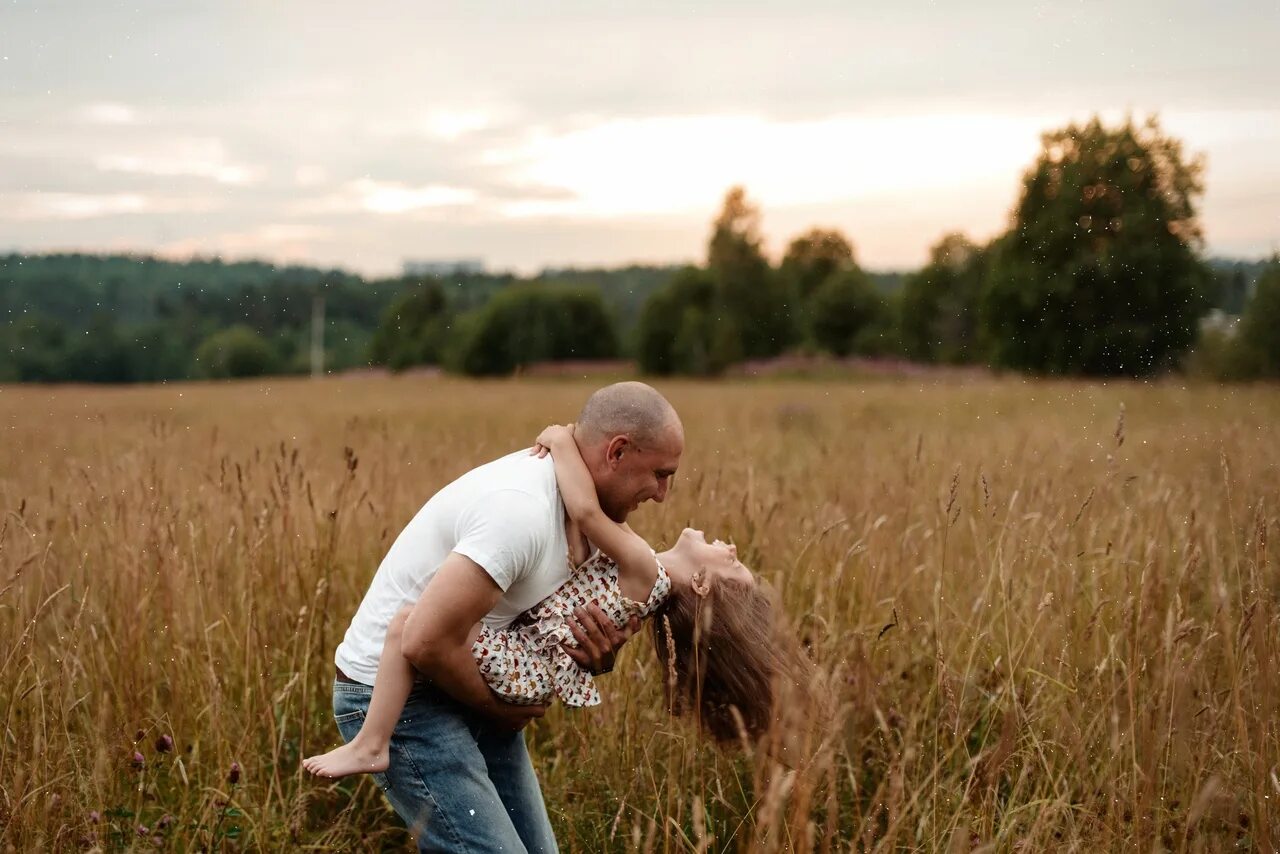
{"x":369,"y":752}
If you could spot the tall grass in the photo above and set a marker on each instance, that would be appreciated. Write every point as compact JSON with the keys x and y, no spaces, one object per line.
{"x":1045,"y":612}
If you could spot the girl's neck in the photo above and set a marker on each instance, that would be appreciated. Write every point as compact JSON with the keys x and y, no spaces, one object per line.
{"x":677,"y":567}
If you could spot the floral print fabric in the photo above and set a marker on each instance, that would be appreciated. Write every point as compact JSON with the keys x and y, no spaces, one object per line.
{"x":526,"y":663}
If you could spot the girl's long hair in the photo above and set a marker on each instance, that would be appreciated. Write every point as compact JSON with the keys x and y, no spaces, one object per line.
{"x":728,"y":657}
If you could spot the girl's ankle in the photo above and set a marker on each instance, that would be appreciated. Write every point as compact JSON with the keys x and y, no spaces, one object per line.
{"x":370,"y":743}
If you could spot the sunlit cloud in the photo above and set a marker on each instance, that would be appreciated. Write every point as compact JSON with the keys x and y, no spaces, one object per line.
{"x":109,"y":113}
{"x":79,"y":206}
{"x":196,"y":158}
{"x":671,"y":165}
{"x":453,"y":124}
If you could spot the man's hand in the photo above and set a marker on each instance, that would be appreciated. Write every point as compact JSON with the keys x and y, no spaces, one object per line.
{"x":598,"y":639}
{"x":514,"y":717}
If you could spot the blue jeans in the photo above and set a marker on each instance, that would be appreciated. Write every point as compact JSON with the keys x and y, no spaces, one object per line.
{"x":460,"y":784}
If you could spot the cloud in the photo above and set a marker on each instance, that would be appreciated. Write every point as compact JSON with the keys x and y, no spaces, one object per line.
{"x":197,"y":158}
{"x":109,"y":113}
{"x":387,"y":197}
{"x":451,"y":125}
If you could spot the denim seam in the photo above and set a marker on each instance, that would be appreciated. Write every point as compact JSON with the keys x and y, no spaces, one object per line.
{"x":437,"y":813}
{"x":352,"y":688}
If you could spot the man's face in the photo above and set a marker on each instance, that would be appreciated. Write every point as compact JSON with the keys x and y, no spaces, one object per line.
{"x":635,"y":473}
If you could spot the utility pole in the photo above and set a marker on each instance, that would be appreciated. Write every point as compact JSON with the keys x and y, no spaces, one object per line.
{"x":317,"y":336}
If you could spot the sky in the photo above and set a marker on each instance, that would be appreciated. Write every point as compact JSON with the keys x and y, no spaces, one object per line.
{"x":555,"y":134}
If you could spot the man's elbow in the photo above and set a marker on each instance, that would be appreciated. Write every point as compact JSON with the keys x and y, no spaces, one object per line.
{"x":421,"y":650}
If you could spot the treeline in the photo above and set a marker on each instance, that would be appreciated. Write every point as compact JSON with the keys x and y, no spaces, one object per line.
{"x":118,"y":319}
{"x":1100,"y":273}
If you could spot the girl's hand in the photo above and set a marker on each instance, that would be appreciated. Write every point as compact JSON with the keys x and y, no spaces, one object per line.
{"x":548,"y":438}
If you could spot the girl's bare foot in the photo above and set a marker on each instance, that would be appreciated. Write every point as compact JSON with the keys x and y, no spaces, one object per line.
{"x":349,"y":759}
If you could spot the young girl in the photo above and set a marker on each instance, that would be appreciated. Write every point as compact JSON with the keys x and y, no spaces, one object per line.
{"x":715,"y":631}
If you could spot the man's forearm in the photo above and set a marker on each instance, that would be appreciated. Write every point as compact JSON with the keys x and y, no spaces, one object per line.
{"x":454,"y":670}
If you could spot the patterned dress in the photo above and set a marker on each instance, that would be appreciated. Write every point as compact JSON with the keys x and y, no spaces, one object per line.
{"x":526,"y":663}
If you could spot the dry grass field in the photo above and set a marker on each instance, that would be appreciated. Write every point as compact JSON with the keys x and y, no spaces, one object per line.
{"x":1048,"y":612}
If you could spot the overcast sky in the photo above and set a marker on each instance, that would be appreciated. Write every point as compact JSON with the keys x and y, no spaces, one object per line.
{"x":540,"y":133}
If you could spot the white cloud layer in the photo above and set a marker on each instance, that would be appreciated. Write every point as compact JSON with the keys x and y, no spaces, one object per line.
{"x":20,"y":207}
{"x":596,"y":133}
{"x":365,"y":195}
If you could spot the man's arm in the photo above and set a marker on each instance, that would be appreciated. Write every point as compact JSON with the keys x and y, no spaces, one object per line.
{"x":436,"y":636}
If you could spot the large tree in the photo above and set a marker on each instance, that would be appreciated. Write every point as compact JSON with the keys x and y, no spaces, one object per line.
{"x":684,"y":328}
{"x":845,"y":310}
{"x":813,"y":257}
{"x":749,"y":290}
{"x":940,"y":303}
{"x":1099,"y":273}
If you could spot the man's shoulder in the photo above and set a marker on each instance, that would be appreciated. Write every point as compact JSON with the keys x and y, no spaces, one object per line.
{"x":517,"y":471}
{"x":516,"y":479}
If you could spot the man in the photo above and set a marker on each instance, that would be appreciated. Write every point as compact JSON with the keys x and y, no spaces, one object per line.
{"x":486,"y":548}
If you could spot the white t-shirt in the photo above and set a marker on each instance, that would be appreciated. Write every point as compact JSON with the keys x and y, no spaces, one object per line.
{"x":507,"y":516}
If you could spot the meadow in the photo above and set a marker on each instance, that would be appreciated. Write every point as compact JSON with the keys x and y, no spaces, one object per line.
{"x":1045,"y":612}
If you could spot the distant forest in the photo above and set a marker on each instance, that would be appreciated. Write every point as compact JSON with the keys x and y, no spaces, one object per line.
{"x":125,"y":318}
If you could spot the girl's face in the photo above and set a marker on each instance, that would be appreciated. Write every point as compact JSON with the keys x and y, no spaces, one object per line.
{"x":717,"y":559}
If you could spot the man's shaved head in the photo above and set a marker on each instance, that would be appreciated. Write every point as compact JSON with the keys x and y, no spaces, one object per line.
{"x":627,"y":409}
{"x":631,"y":440}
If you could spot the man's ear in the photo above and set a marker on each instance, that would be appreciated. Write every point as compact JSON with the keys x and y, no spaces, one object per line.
{"x":613,"y":452}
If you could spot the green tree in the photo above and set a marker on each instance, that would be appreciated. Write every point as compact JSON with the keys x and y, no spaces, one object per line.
{"x":940,"y":304}
{"x":236,"y":351}
{"x":100,"y":354}
{"x":1258,"y":336}
{"x":751,"y":293}
{"x":412,"y":330}
{"x":526,"y":324}
{"x":685,"y":329}
{"x":35,"y":349}
{"x":813,"y":257}
{"x":1099,"y":273}
{"x":845,"y":309}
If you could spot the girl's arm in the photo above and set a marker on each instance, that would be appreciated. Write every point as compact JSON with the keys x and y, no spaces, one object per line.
{"x":637,"y":569}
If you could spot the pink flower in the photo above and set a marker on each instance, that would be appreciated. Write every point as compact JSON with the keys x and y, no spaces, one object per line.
{"x":164,"y":744}
{"x":233,"y":776}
